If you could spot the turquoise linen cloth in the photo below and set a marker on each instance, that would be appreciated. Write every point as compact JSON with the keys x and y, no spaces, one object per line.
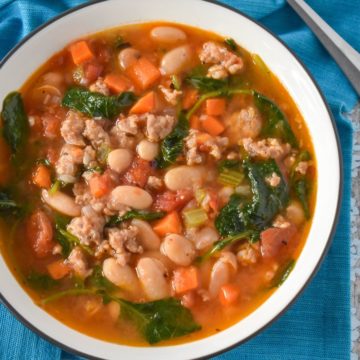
{"x":317,"y":325}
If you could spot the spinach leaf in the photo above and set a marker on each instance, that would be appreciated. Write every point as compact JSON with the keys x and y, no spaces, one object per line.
{"x":199,"y":70}
{"x":120,"y":43}
{"x":41,"y":281}
{"x":7,"y":205}
{"x":159,"y":320}
{"x":98,"y":281}
{"x":276,"y":123}
{"x":229,"y":240}
{"x":206,"y":84}
{"x":267,"y":200}
{"x":95,"y":104}
{"x":172,"y":146}
{"x":302,"y":189}
{"x":136,"y":214}
{"x":15,"y":122}
{"x":283,"y":273}
{"x":238,"y":216}
{"x":230,"y":219}
{"x":67,"y":240}
{"x":231,"y":44}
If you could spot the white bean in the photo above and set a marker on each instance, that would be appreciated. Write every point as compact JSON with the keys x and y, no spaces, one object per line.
{"x":182,"y":177}
{"x":205,"y":237}
{"x":220,"y":275}
{"x":46,"y":94}
{"x":167,"y":34}
{"x":119,"y":159}
{"x":128,"y":57}
{"x":152,"y":275}
{"x":122,"y":276}
{"x":295,"y":213}
{"x":178,"y":249}
{"x":53,"y":78}
{"x":132,"y":196}
{"x":148,"y":238}
{"x":61,"y":202}
{"x":176,"y":60}
{"x":113,"y":309}
{"x":147,"y":150}
{"x":229,"y":258}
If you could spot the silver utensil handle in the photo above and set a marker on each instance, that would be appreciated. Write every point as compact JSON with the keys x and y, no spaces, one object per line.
{"x":346,"y":56}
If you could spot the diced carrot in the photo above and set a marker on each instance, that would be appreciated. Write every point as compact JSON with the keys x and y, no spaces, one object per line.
{"x":195,"y":122}
{"x":58,"y":269}
{"x":215,"y":107}
{"x":39,"y":233}
{"x":185,"y":279}
{"x":190,"y":97}
{"x":212,"y":125}
{"x":81,"y":52}
{"x":41,"y":177}
{"x":116,"y":83}
{"x":144,"y":73}
{"x":145,"y":104}
{"x":228,"y":295}
{"x":171,"y":223}
{"x":100,"y":185}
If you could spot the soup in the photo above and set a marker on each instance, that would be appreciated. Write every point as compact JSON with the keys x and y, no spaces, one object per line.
{"x":158,"y":184}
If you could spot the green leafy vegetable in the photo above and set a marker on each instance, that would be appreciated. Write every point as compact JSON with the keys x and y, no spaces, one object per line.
{"x":120,"y":43}
{"x":301,"y":188}
{"x":283,"y":273}
{"x":15,"y":122}
{"x":7,"y":205}
{"x":156,"y":320}
{"x":199,"y":70}
{"x":223,"y":243}
{"x":172,"y":146}
{"x":231,"y":44}
{"x":276,"y":124}
{"x":95,"y":104}
{"x":41,"y":281}
{"x":67,"y":240}
{"x":136,"y":214}
{"x":206,"y":84}
{"x":159,"y":320}
{"x":267,"y":201}
{"x":45,"y":162}
{"x":55,"y":186}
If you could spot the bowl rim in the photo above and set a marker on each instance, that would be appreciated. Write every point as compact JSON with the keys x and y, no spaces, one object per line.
{"x":62,"y":346}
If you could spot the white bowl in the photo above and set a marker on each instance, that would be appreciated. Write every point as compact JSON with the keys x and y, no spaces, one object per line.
{"x":92,"y":17}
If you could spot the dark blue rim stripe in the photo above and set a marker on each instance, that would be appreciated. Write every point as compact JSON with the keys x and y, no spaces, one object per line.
{"x":333,"y":228}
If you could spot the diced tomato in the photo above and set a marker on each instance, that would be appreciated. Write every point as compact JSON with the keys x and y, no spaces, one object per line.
{"x":58,"y":269}
{"x":276,"y":240}
{"x":170,"y":200}
{"x":41,"y":177}
{"x":185,"y":279}
{"x":229,"y":293}
{"x":92,"y":71}
{"x":101,"y":185}
{"x":51,"y":126}
{"x":138,"y":173}
{"x":39,"y":233}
